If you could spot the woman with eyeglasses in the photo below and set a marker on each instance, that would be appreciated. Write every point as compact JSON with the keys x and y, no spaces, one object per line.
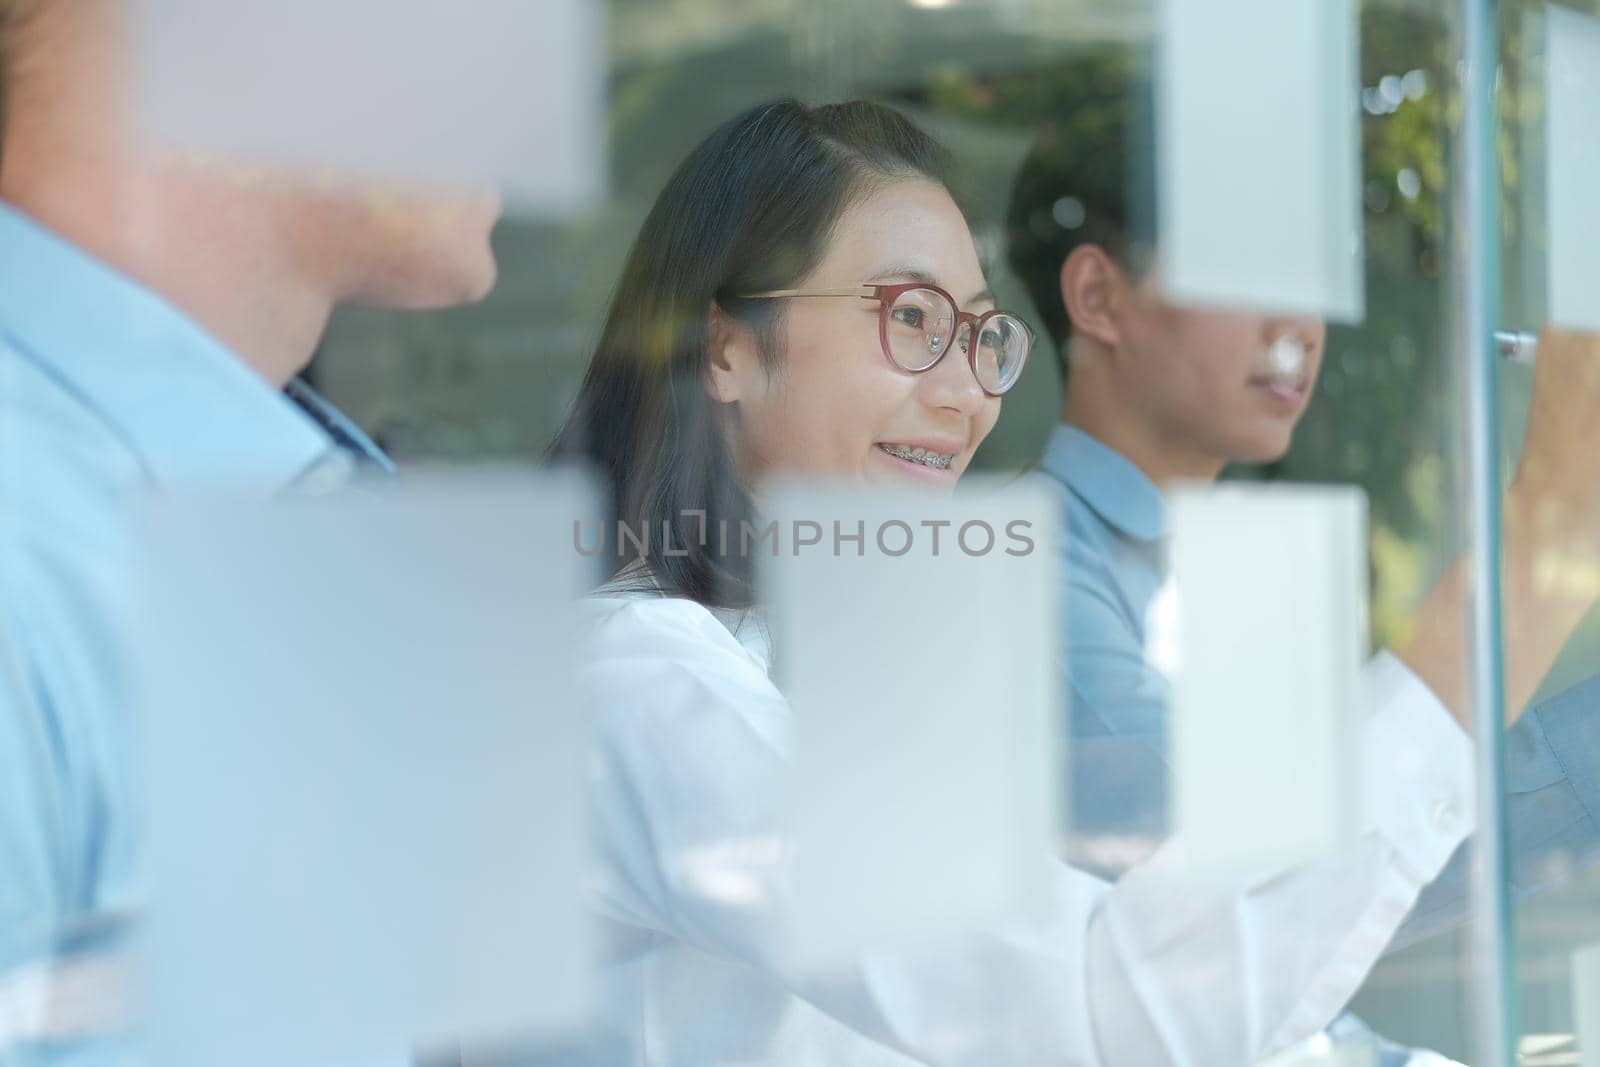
{"x":805,"y":297}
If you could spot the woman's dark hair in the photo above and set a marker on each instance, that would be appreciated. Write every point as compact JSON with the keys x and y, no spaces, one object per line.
{"x":752,"y":208}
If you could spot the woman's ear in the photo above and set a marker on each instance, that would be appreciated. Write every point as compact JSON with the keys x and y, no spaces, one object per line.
{"x":1094,"y":290}
{"x":733,"y":358}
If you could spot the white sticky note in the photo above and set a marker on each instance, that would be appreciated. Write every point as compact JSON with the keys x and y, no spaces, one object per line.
{"x":364,"y":771}
{"x":499,"y":93}
{"x":920,"y":662}
{"x":1573,"y":143}
{"x":1258,"y":156}
{"x":1586,"y":1002}
{"x":1271,"y":630}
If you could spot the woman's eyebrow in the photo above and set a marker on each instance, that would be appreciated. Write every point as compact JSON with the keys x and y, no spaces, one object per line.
{"x":910,"y":274}
{"x":915,"y":274}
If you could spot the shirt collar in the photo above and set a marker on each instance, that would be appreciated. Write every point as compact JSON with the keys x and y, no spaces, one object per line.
{"x":349,"y":437}
{"x":193,"y":413}
{"x":1107,"y":481}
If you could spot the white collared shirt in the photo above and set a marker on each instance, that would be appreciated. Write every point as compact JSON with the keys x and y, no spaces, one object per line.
{"x":1172,"y":964}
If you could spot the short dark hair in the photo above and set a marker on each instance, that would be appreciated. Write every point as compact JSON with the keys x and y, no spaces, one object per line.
{"x":751,"y":209}
{"x":1088,"y":178}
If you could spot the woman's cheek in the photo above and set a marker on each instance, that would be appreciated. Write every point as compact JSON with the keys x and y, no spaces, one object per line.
{"x":990,"y":417}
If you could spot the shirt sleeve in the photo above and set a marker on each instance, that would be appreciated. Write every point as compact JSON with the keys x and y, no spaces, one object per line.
{"x":1174,"y":964}
{"x":32,"y":814}
{"x":1552,"y":759}
{"x":37,"y":1003}
{"x":1570,"y":724}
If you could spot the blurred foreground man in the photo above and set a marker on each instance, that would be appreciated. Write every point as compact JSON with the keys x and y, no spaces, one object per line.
{"x":153,"y":310}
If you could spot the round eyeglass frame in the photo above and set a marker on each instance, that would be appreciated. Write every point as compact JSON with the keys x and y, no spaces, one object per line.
{"x":886,"y":295}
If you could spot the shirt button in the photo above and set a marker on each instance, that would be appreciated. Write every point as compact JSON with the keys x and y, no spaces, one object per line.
{"x":1445,"y":816}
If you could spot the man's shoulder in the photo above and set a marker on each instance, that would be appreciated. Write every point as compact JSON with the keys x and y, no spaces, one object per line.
{"x":55,"y":449}
{"x":1109,"y":578}
{"x":1090,"y":547}
{"x":67,"y":485}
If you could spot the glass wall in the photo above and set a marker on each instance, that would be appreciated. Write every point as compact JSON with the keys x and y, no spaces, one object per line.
{"x":1390,"y":409}
{"x":1303,"y":705}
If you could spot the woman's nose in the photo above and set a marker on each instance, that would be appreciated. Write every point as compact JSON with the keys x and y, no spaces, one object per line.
{"x":951,"y":382}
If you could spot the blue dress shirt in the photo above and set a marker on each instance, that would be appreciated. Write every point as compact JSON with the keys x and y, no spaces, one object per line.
{"x":106,"y":391}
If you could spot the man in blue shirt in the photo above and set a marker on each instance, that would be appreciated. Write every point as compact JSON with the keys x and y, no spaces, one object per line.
{"x":152,"y":311}
{"x":1157,"y":393}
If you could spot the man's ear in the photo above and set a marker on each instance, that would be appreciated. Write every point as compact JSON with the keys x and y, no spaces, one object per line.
{"x":733,"y":358}
{"x":1094,"y":290}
